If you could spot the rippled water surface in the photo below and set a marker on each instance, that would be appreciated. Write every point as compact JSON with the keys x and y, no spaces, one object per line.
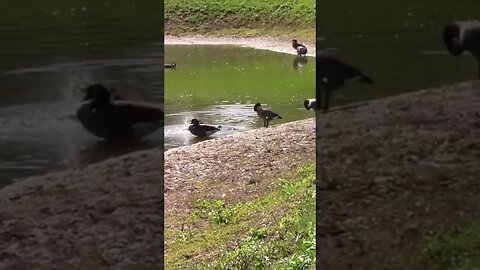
{"x":49,"y":52}
{"x":398,"y":44}
{"x":220,"y":85}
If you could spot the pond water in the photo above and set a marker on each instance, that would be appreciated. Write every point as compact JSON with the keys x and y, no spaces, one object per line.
{"x":398,"y":44}
{"x":220,"y":84}
{"x":49,"y":53}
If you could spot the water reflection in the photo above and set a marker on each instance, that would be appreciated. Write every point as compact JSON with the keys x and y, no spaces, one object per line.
{"x":39,"y":132}
{"x":219,"y":85}
{"x":232,"y":117}
{"x":299,"y":61}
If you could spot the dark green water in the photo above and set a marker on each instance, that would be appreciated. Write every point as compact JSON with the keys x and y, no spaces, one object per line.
{"x":398,"y":44}
{"x":48,"y":52}
{"x":220,"y":85}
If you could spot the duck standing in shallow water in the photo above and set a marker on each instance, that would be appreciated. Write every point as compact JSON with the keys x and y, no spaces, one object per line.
{"x":202,"y":130}
{"x":301,"y":49}
{"x":117,"y":120}
{"x":266,"y":115}
{"x":461,"y":36}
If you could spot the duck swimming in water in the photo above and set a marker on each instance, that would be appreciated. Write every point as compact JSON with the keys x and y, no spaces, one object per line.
{"x":117,"y":120}
{"x":199,"y":129}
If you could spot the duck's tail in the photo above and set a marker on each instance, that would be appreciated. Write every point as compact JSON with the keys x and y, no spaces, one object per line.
{"x":365,"y":79}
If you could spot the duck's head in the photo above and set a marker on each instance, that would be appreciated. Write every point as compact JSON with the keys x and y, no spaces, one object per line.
{"x":98,"y":93}
{"x":194,"y":122}
{"x":310,"y":104}
{"x":451,"y":38}
{"x":257,"y":106}
{"x":294,"y":43}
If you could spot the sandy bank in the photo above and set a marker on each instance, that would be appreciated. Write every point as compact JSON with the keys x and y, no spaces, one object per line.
{"x":262,"y":43}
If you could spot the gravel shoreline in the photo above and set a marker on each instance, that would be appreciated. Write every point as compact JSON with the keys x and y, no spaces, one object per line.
{"x":391,"y":152}
{"x":261,"y":43}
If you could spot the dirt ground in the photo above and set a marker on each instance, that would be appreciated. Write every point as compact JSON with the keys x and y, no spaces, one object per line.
{"x":388,"y":171}
{"x":393,"y":170}
{"x":262,"y":43}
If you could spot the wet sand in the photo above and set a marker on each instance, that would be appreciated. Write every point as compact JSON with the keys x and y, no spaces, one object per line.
{"x":261,"y":43}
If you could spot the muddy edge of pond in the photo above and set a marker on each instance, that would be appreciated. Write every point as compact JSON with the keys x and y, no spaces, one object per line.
{"x":400,"y":164}
{"x":262,"y":43}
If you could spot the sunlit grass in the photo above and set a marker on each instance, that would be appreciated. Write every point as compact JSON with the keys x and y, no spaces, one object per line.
{"x":273,"y":231}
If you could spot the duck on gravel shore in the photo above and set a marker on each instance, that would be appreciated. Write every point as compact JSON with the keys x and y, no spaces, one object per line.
{"x":266,"y":115}
{"x":301,"y":49}
{"x":117,"y":120}
{"x":202,"y":130}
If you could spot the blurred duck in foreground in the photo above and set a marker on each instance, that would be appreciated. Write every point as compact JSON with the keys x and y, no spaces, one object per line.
{"x":463,"y":36}
{"x":333,"y":74}
{"x":117,"y":120}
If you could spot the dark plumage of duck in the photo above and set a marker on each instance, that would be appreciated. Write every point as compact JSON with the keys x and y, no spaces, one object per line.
{"x":301,"y":49}
{"x":202,"y":130}
{"x":90,"y":92}
{"x":266,"y":115}
{"x":171,"y":66}
{"x":333,"y":74}
{"x":310,"y":104}
{"x":117,"y":120}
{"x":463,"y":36}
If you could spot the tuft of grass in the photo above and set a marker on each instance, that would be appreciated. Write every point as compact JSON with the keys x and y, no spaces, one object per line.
{"x":214,"y":211}
{"x":456,"y":248}
{"x":273,"y":231}
{"x":288,"y":244}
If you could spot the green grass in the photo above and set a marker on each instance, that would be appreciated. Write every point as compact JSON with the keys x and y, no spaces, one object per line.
{"x":273,"y":231}
{"x":455,"y":248}
{"x":248,"y":17}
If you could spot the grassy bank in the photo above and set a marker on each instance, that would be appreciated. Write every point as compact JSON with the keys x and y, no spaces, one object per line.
{"x":273,"y":231}
{"x":244,"y":18}
{"x":452,"y":247}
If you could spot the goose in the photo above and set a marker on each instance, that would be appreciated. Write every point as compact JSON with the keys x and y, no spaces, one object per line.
{"x":463,"y":36}
{"x":172,"y":66}
{"x":266,"y":115}
{"x":301,"y":49}
{"x":333,"y":74}
{"x":199,"y":129}
{"x":117,"y":120}
{"x":310,"y":104}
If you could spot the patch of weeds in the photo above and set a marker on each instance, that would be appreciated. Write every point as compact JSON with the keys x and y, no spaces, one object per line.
{"x":214,"y":211}
{"x":456,"y":248}
{"x":289,"y":244}
{"x":269,"y":231}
